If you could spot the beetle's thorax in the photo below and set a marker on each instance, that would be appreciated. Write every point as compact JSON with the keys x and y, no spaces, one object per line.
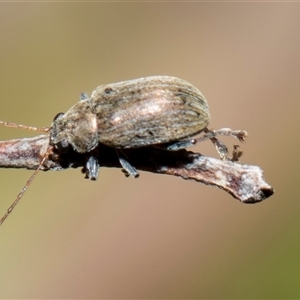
{"x":77,"y":127}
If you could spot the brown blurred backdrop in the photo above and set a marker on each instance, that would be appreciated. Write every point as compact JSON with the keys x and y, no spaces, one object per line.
{"x":156,"y":236}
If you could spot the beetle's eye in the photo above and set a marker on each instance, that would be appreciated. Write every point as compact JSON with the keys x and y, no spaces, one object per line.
{"x":58,"y":115}
{"x":108,"y":90}
{"x":62,"y":146}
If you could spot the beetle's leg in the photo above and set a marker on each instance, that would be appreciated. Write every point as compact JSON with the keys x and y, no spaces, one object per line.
{"x":184,"y":144}
{"x":129,"y":169}
{"x":211,"y":134}
{"x":191,"y":142}
{"x":241,"y":135}
{"x":220,"y":147}
{"x":236,"y":153}
{"x":91,"y":168}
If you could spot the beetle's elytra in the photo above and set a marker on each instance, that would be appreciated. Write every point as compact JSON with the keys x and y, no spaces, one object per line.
{"x":135,"y":113}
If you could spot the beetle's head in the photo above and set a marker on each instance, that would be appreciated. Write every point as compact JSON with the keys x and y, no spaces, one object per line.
{"x":76,"y":128}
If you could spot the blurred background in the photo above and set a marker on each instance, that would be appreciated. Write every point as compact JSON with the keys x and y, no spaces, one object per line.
{"x":156,"y":236}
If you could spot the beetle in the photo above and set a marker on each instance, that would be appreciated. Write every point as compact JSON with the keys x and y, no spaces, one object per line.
{"x":148,"y":111}
{"x":159,"y":111}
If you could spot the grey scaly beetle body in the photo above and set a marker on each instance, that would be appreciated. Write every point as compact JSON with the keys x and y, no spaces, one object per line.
{"x":134,"y":113}
{"x":130,"y":114}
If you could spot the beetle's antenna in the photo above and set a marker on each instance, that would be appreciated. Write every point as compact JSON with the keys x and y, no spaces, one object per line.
{"x":23,"y":190}
{"x":14,"y":125}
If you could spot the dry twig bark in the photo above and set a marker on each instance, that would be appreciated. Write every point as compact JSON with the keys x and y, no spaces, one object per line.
{"x":243,"y":182}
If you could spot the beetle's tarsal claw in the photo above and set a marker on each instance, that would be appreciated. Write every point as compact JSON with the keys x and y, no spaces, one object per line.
{"x":236,"y":153}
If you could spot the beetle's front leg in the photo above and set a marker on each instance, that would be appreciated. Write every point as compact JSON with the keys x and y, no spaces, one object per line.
{"x":91,"y":168}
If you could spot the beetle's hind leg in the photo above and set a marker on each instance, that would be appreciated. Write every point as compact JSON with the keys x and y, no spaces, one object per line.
{"x":211,"y":134}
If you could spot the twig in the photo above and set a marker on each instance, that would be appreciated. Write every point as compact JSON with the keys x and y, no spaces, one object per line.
{"x":243,"y":182}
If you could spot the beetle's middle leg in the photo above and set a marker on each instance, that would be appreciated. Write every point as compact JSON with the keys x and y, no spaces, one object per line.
{"x":126,"y":165}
